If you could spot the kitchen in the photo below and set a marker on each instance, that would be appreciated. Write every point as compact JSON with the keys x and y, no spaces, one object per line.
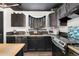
{"x":39,"y":27}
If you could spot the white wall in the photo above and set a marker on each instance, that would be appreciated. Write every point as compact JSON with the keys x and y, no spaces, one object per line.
{"x":5,"y":17}
{"x":26,"y":13}
{"x":63,"y":29}
{"x":73,"y":22}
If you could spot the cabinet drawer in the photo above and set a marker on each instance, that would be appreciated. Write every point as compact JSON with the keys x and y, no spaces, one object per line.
{"x":39,"y":43}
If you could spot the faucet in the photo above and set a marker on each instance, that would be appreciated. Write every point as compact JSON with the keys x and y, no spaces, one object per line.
{"x":14,"y":31}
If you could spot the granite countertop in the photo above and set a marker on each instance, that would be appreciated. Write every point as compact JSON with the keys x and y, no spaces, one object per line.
{"x":74,"y":48}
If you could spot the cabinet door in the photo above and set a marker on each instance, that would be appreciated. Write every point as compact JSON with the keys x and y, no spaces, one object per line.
{"x":1,"y":38}
{"x":52,"y":20}
{"x":10,"y":39}
{"x":1,"y":27}
{"x":22,"y":40}
{"x":39,"y":43}
{"x":32,"y":43}
{"x":18,"y":39}
{"x":17,"y":20}
{"x":48,"y":43}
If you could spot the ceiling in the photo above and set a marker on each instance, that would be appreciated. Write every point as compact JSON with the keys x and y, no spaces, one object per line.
{"x":36,"y":6}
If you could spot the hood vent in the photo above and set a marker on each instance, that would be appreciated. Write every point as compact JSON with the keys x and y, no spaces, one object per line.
{"x":74,"y":13}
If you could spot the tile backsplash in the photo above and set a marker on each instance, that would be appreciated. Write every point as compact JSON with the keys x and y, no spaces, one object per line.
{"x":73,"y":33}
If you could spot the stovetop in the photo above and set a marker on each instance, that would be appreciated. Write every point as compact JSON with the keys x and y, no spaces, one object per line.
{"x":60,"y":42}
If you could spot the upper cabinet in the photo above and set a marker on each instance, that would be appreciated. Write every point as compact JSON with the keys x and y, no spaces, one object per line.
{"x":17,"y":20}
{"x":52,"y":20}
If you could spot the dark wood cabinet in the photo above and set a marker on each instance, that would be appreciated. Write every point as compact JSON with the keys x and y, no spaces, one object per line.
{"x":1,"y":27}
{"x":10,"y":39}
{"x":32,"y":43}
{"x":52,"y":20}
{"x":39,"y":43}
{"x":1,"y":38}
{"x":20,"y":39}
{"x":17,"y":20}
{"x":56,"y":51}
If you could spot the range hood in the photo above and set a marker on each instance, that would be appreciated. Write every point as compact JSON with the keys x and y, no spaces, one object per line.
{"x":74,"y":13}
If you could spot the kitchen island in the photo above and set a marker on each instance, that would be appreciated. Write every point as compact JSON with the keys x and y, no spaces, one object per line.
{"x":11,"y":49}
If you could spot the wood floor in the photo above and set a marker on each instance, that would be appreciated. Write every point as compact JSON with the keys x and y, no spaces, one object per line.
{"x":38,"y":53}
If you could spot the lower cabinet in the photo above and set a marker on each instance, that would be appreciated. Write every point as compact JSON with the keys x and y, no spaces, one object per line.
{"x":39,"y":43}
{"x":22,"y":40}
{"x":56,"y":51}
{"x":15,"y":39}
{"x":10,"y":39}
{"x":1,"y":38}
{"x":32,"y":43}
